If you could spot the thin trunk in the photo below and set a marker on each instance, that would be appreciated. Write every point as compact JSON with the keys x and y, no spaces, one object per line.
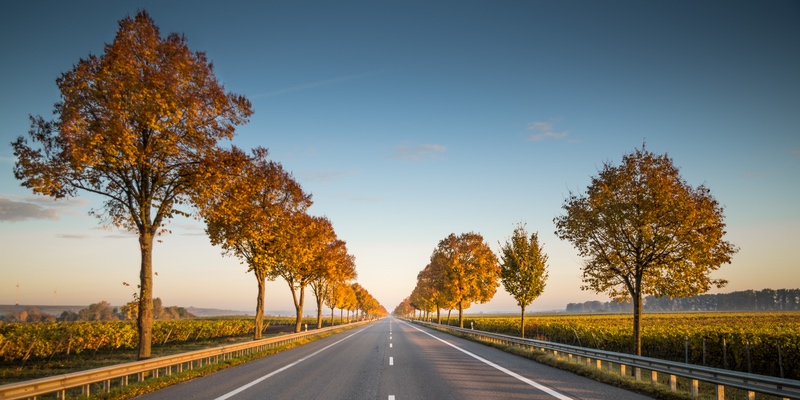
{"x":144,"y":320}
{"x":448,"y":316}
{"x":333,"y":309}
{"x":261,"y":277}
{"x":460,"y":315}
{"x":438,"y":315}
{"x":319,"y":312}
{"x":522,"y":323}
{"x":637,"y":324}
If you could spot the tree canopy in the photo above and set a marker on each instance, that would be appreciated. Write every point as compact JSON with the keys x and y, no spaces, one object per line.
{"x":132,"y":125}
{"x":644,"y":230}
{"x":523,"y":269}
{"x":469,"y":268}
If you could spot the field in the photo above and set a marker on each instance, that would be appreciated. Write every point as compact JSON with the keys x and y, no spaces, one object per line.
{"x":765,"y":343}
{"x":23,"y":342}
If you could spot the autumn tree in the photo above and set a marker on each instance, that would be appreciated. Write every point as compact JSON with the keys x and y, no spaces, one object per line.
{"x":337,"y":297}
{"x":246,"y":206}
{"x":404,"y":309}
{"x":332,"y":266}
{"x":304,"y":239}
{"x":644,"y":230}
{"x":523,"y":269}
{"x":470,"y":270}
{"x":132,"y":124}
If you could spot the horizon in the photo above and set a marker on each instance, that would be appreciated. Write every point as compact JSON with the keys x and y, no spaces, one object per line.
{"x":408,"y":122}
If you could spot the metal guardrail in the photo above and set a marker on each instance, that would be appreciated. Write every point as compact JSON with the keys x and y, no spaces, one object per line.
{"x":752,"y":383}
{"x":59,"y":384}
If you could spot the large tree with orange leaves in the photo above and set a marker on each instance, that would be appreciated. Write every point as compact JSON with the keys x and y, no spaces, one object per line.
{"x":132,"y":125}
{"x":469,"y":269}
{"x":644,"y":230}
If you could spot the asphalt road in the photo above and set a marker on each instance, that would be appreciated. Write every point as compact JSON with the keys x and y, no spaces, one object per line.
{"x":393,"y":360}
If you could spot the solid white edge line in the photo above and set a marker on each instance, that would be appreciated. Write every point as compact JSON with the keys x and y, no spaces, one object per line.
{"x":499,"y":368}
{"x":285,"y":367}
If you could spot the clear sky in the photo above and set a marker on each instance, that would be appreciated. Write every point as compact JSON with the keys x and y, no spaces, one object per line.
{"x":411,"y":120}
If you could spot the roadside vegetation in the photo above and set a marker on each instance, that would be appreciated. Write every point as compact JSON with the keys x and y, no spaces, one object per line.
{"x":36,"y":350}
{"x":766,"y":343}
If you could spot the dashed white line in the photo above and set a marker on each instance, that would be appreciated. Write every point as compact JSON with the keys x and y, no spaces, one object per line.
{"x":255,"y":382}
{"x":391,"y":397}
{"x":390,"y":345}
{"x":391,"y":360}
{"x":499,"y":368}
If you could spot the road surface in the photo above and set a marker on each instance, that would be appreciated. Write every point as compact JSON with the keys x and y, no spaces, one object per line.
{"x":392,"y":360}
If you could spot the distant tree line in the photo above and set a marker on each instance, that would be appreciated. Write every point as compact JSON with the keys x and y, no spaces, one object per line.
{"x":102,"y":311}
{"x":746,"y":300}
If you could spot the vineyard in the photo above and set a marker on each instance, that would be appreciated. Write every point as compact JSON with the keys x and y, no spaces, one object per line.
{"x":32,"y":341}
{"x":762,"y":343}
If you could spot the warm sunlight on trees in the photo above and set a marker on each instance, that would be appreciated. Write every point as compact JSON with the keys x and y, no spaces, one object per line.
{"x":333,"y":266}
{"x":131,"y":126}
{"x":644,"y":230}
{"x":523,"y":269}
{"x":304,"y":239}
{"x":470,"y":269}
{"x":246,"y":207}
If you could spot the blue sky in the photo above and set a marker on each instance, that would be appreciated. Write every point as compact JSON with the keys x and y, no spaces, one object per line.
{"x":408,"y":121}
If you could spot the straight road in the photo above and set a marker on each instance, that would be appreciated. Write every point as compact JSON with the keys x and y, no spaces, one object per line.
{"x":392,"y":360}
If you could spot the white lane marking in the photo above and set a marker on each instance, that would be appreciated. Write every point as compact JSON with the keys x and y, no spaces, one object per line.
{"x":255,"y":382}
{"x":391,"y":397}
{"x":499,"y":368}
{"x":391,"y":360}
{"x":390,"y":345}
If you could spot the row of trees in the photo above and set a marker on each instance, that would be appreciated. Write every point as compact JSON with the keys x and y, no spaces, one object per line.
{"x":102,"y":311}
{"x":142,"y":125}
{"x":642,"y":230}
{"x":464,"y":270}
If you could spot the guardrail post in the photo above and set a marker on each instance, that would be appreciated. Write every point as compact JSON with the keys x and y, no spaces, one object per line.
{"x":637,"y":373}
{"x":720,"y":392}
{"x":654,"y":377}
{"x":85,"y":390}
{"x":751,"y":395}
{"x":622,"y":370}
{"x":673,"y":383}
{"x":599,"y":364}
{"x":695,"y":391}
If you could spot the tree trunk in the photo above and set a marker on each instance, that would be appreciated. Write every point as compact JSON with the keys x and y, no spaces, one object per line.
{"x":144,"y":320}
{"x":261,"y":277}
{"x":333,"y":310}
{"x":298,"y":306}
{"x":637,"y":323}
{"x":522,"y":323}
{"x":460,"y":315}
{"x":448,"y":316}
{"x":319,"y":312}
{"x":438,"y":316}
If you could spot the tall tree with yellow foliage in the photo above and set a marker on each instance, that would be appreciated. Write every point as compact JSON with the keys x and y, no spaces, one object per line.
{"x":470,"y":270}
{"x":644,"y":230}
{"x":132,"y":126}
{"x":523,"y":269}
